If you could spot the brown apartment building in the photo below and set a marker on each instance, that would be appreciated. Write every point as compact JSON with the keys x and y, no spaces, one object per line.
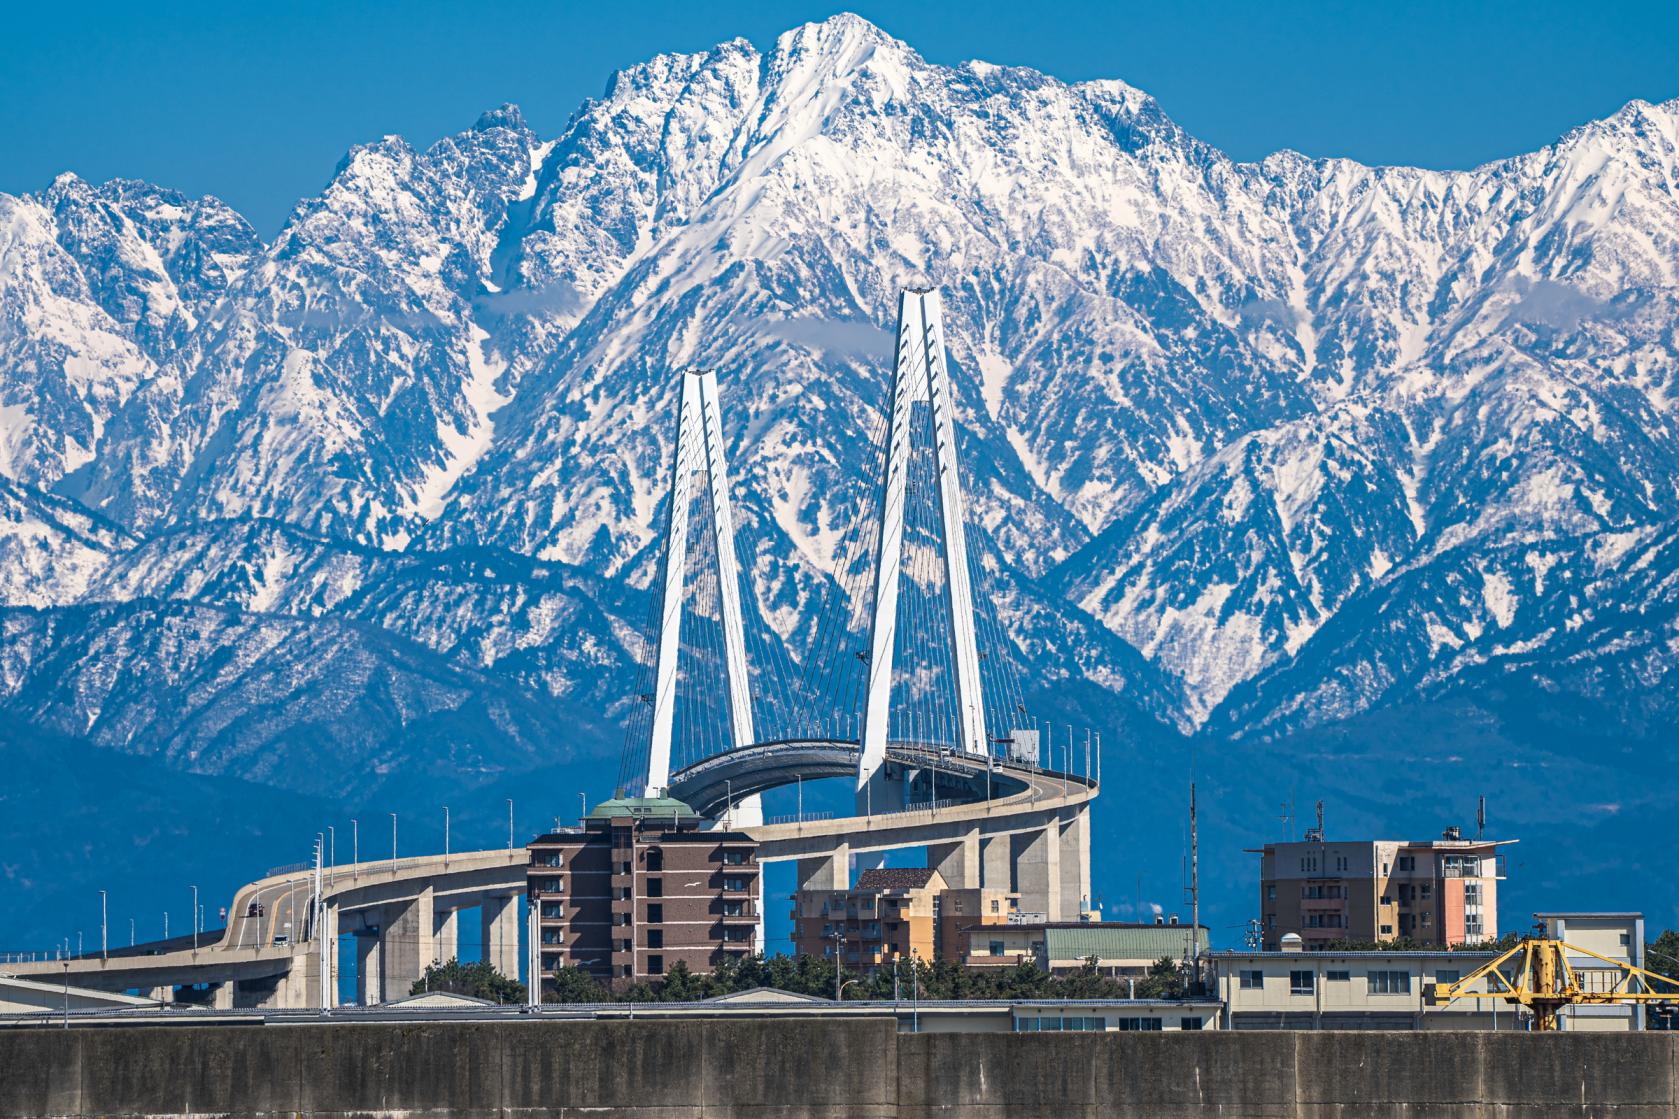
{"x":641,"y":886}
{"x":1434,"y":892}
{"x":892,"y":913}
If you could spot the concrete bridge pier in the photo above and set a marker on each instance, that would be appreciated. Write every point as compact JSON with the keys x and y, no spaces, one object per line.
{"x":1037,"y":870}
{"x":370,"y":968}
{"x":408,"y":942}
{"x":996,"y":862}
{"x":1074,"y":840}
{"x":827,"y":872}
{"x":447,"y":942}
{"x":958,"y":862}
{"x":498,"y":917}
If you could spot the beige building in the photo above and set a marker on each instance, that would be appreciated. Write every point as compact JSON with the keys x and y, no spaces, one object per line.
{"x":892,"y":913}
{"x":1436,"y":892}
{"x":1619,"y":936}
{"x":1121,"y":949}
{"x":1298,"y":990}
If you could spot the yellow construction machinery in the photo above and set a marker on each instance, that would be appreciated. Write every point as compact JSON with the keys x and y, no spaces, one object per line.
{"x":1536,"y":974}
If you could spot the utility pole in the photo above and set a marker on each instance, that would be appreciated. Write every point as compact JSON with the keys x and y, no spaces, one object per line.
{"x":839,"y":958}
{"x":326,"y":946}
{"x":1194,"y":891}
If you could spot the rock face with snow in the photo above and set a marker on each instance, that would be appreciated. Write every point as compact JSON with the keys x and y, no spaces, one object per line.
{"x":1264,"y":449}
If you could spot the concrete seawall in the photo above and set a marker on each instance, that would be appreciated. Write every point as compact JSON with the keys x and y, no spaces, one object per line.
{"x":759,"y":1069}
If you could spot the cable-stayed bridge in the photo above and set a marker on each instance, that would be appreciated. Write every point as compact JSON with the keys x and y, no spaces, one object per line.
{"x":906,"y":685}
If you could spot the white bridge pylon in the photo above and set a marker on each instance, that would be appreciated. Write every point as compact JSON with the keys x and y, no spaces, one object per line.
{"x":699,"y":449}
{"x":919,"y":374}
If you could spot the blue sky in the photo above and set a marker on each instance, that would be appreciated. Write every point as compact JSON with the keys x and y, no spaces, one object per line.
{"x":257,"y":102}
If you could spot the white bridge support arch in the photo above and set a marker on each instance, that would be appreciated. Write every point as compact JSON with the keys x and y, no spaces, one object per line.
{"x":920,"y":374}
{"x":699,"y":450}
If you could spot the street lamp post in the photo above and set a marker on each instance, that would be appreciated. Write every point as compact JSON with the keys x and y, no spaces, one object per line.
{"x":355,"y":848}
{"x":332,"y":853}
{"x":393,"y":842}
{"x":583,"y":799}
{"x":104,"y":940}
{"x":445,"y":837}
{"x":195,"y":918}
{"x":510,"y":823}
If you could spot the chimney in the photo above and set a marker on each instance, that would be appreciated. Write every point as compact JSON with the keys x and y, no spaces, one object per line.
{"x":1159,"y":919}
{"x":1174,"y":919}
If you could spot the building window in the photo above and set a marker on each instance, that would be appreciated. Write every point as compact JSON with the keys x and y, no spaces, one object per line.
{"x":734,"y":909}
{"x":1472,"y":926}
{"x":735,"y":885}
{"x":655,"y":859}
{"x":1252,"y":980}
{"x":655,"y":965}
{"x":656,"y":913}
{"x":1340,"y":862}
{"x":1390,"y":983}
{"x":1407,"y":863}
{"x":1387,"y":930}
{"x":1423,"y":919}
{"x":734,"y":858}
{"x":1301,"y":982}
{"x":655,"y":887}
{"x":1270,"y":893}
{"x":995,"y":906}
{"x":1189,"y":1023}
{"x":737,"y":934}
{"x":1447,"y":978}
{"x":1337,"y":976}
{"x":1472,"y":893}
{"x":655,"y":938}
{"x":995,"y":948}
{"x":1425,"y":890}
{"x":1137,"y":1023}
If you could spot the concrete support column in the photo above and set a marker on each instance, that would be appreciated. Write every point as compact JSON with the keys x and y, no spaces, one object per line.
{"x":223,"y":997}
{"x":1075,"y":863}
{"x":327,"y":953}
{"x":1037,"y":870}
{"x":409,"y":943}
{"x":370,"y":969}
{"x":996,"y":863}
{"x":827,"y":872}
{"x":447,"y":944}
{"x":499,"y":919}
{"x":958,"y":862}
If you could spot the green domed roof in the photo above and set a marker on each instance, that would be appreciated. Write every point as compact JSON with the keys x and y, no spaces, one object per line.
{"x":642,"y":807}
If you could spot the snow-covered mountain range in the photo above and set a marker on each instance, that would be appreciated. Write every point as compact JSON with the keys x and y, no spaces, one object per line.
{"x":1274,"y":455}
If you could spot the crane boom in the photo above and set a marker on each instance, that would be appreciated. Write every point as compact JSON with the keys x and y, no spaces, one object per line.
{"x":1543,"y":980}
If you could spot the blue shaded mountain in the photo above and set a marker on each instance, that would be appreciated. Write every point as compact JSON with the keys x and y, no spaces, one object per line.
{"x":1301,"y":477}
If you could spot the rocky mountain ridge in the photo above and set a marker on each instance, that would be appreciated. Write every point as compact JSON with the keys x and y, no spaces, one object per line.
{"x":1264,"y":449}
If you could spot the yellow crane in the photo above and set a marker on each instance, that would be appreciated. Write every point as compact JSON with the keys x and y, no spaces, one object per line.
{"x":1541,"y":978}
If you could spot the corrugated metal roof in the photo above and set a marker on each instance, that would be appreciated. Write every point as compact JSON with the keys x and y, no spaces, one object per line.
{"x":1078,"y":942}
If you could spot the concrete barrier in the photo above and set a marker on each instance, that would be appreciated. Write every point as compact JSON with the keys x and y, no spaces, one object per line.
{"x":824,"y":1070}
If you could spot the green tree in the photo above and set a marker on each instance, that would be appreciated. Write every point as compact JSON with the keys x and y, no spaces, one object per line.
{"x":574,"y":985}
{"x":480,"y":980}
{"x":1164,"y":980}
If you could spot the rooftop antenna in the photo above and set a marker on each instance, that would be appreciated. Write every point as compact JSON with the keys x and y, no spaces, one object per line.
{"x":1481,"y":817}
